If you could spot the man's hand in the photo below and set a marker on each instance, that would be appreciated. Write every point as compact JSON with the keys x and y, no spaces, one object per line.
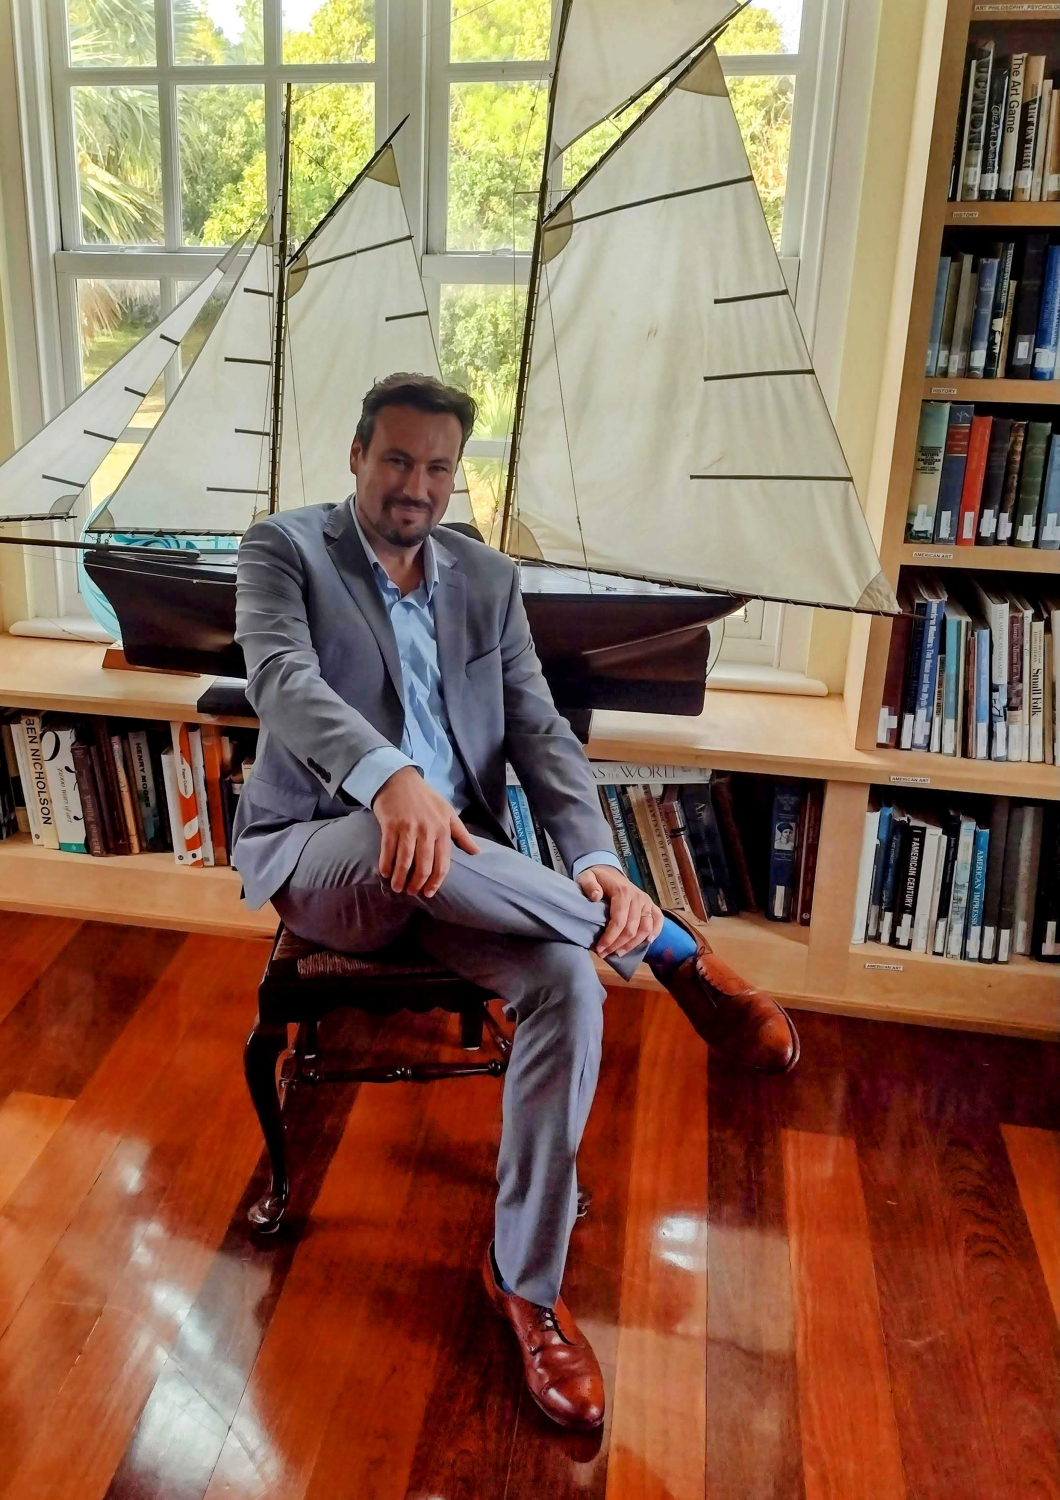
{"x":633,"y":918}
{"x":419,"y":829}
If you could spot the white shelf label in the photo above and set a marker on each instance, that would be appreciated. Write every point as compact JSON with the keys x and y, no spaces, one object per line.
{"x":910,"y":780}
{"x":887,"y":968}
{"x":965,"y":213}
{"x":944,"y":390}
{"x":921,"y":555}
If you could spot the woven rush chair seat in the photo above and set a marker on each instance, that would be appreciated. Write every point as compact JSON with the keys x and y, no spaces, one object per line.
{"x":302,"y":983}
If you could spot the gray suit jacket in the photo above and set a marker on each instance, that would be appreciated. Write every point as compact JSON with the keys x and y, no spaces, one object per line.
{"x":325,"y":681}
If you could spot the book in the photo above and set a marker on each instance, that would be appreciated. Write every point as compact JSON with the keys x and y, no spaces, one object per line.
{"x":879,"y":861}
{"x":124,"y":794}
{"x":89,"y":795}
{"x":993,"y":480}
{"x":673,"y":817}
{"x":1041,"y":133}
{"x":657,"y":847}
{"x":908,"y":885}
{"x":891,"y":706}
{"x":956,"y":629}
{"x":962,"y":878}
{"x":198,"y":773}
{"x":175,"y":799}
{"x":863,"y":889}
{"x":896,"y":857}
{"x":1048,"y":331}
{"x":1045,"y":944}
{"x":1032,"y":475}
{"x":97,"y":733}
{"x":145,"y":787}
{"x":961,"y":338}
{"x":613,"y":811}
{"x":976,"y":894}
{"x":938,"y":309}
{"x":1051,"y":178}
{"x":57,"y":748}
{"x":930,"y":605}
{"x":995,"y":125}
{"x":974,"y":478}
{"x":1034,"y":78}
{"x":26,"y":731}
{"x":14,"y":776}
{"x":637,"y":844}
{"x":995,"y":360}
{"x":184,"y":801}
{"x":708,"y":850}
{"x":954,"y":462}
{"x":949,"y":866}
{"x":994,"y":605}
{"x":1016,"y":710}
{"x":1048,"y":531}
{"x":732,"y":840}
{"x":982,"y":315}
{"x":1030,"y":846}
{"x":1009,"y":884}
{"x":1010,"y":487}
{"x":1025,"y":316}
{"x":978,"y":112}
{"x":949,"y":318}
{"x":927,"y":884}
{"x":525,"y":838}
{"x":995,"y":866}
{"x":211,"y":754}
{"x":965,"y":124}
{"x":1011,"y":131}
{"x":927,"y":471}
{"x":809,"y":845}
{"x":784,"y":824}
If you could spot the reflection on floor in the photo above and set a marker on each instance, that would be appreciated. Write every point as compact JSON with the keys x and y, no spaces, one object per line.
{"x":840,"y":1284}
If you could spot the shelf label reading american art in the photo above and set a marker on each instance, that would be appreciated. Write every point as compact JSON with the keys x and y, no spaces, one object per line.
{"x":922,"y":555}
{"x":887,"y":968}
{"x":910,"y":780}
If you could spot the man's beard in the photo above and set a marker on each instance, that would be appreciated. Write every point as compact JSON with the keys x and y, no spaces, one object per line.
{"x":402,"y":536}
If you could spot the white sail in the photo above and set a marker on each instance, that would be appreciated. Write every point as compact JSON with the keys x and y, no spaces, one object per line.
{"x":356,"y":311}
{"x":46,"y":475}
{"x":205,"y":466}
{"x":613,"y":49}
{"x":673,"y":428}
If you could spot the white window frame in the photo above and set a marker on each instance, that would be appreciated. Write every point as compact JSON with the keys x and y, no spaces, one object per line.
{"x":411,"y":73}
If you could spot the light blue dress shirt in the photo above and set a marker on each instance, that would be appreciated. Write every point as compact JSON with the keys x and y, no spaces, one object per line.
{"x":426,"y":740}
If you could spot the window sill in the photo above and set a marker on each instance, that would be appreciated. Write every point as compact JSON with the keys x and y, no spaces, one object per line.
{"x":743,"y":677}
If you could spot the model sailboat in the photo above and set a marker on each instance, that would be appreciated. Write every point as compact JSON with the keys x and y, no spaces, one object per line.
{"x":672,"y":453}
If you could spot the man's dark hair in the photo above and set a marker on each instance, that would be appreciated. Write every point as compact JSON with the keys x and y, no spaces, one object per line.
{"x":424,"y":393}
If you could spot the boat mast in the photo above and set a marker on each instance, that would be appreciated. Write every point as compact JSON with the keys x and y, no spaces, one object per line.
{"x":507,"y":517}
{"x":281,"y":316}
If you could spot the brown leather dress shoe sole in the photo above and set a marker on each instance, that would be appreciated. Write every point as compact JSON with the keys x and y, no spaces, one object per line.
{"x":728,"y":1013}
{"x":562,"y":1373}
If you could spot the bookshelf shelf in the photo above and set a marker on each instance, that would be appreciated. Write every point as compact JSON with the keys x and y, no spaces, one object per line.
{"x":1025,"y":992}
{"x":997,"y":392}
{"x":1029,"y":11}
{"x":979,"y":559}
{"x":1004,"y":215}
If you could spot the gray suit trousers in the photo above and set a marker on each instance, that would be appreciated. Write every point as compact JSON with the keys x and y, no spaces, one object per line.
{"x":523,"y":931}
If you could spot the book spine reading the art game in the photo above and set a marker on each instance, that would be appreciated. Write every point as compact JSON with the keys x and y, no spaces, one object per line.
{"x":1011,"y":129}
{"x":187,"y":809}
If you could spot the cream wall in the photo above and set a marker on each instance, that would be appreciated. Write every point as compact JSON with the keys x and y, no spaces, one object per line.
{"x":873,"y":281}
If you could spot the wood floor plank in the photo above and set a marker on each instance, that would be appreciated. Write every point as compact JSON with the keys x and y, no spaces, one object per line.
{"x":185,"y":1421}
{"x":89,"y":1424}
{"x":29,"y":945}
{"x":53,"y":1040}
{"x":27,"y":1124}
{"x":850,"y":1441}
{"x":1035,"y":1158}
{"x":944,"y":1422}
{"x":753,"y":1440}
{"x":274,"y":1440}
{"x":112,"y":1224}
{"x":658,"y":1437}
{"x":545,"y":1460}
{"x":44,"y":1204}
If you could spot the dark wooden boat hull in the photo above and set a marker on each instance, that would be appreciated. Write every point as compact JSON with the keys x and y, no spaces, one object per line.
{"x":646,"y":652}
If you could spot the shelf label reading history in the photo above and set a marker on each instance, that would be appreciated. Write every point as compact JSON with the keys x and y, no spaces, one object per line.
{"x":887,"y":968}
{"x":964,"y":213}
{"x":944,"y":390}
{"x":927,"y":556}
{"x":910,"y":780}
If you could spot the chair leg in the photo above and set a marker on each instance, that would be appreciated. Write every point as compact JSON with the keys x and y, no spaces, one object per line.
{"x":263,"y":1048}
{"x":471,"y":1022}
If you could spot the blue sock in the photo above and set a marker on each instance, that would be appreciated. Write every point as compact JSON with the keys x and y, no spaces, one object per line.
{"x":497,"y":1273}
{"x":670,"y":948}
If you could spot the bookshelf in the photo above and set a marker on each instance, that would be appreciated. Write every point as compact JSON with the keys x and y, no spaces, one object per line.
{"x":813,"y":967}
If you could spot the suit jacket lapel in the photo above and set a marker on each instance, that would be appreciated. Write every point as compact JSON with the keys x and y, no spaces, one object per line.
{"x":355,"y":570}
{"x":450,"y":630}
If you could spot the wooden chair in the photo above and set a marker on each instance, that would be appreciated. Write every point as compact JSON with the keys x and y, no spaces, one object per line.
{"x":301,"y":984}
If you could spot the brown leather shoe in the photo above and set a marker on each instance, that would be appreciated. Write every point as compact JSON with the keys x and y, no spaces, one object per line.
{"x":730,"y":1014}
{"x":561,"y":1369}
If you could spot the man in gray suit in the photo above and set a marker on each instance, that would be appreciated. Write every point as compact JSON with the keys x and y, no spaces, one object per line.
{"x":393,"y":672}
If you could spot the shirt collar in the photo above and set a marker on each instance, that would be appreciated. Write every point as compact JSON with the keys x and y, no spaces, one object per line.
{"x":430,"y":563}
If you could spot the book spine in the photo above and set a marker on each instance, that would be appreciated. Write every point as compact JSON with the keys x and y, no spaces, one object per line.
{"x":527,"y":821}
{"x":1051,"y":178}
{"x":808,"y":853}
{"x":170,"y":782}
{"x":995,"y":865}
{"x":62,"y":784}
{"x":211,"y":755}
{"x":996,"y":340}
{"x":976,"y":893}
{"x":1028,"y":502}
{"x":1041,"y":135}
{"x":995,"y":125}
{"x":1011,"y":131}
{"x":891,"y":705}
{"x":1025,"y":318}
{"x":1014,"y":704}
{"x":522,"y":838}
{"x":732,"y":841}
{"x":1032,"y":98}
{"x":974,"y":478}
{"x":1048,"y":330}
{"x":910,"y":884}
{"x":928,"y":675}
{"x":125,"y":794}
{"x":879,"y":865}
{"x":618,"y":823}
{"x":938,"y":309}
{"x":29,"y":790}
{"x":186,"y":804}
{"x":993,"y":481}
{"x":962,"y":877}
{"x":708,"y":851}
{"x":16,"y":779}
{"x":88,"y":792}
{"x":1048,"y":535}
{"x":982,"y":316}
{"x":949,"y":318}
{"x":38,"y":791}
{"x":198,"y":774}
{"x":785,"y":822}
{"x":862,"y":893}
{"x":949,"y":866}
{"x":1010,"y":489}
{"x":657,"y":845}
{"x":925,"y":889}
{"x":143,"y":785}
{"x":954,"y":462}
{"x":673,"y":818}
{"x":927,"y":472}
{"x":897,"y":846}
{"x":1036,"y":732}
{"x":961,"y":337}
{"x":977,"y":123}
{"x":636,"y":842}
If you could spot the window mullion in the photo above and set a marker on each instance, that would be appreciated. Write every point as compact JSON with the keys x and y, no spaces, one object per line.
{"x":437,"y":127}
{"x":274,"y":96}
{"x":172,"y":226}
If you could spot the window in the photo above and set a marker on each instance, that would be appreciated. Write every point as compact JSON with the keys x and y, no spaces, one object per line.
{"x":164,"y":129}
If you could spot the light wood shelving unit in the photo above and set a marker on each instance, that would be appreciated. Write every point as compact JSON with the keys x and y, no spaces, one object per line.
{"x":814,"y":967}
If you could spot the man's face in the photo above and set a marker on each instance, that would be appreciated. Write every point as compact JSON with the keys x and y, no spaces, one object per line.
{"x":406,"y":475}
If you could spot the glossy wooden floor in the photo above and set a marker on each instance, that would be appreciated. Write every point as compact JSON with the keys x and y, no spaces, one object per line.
{"x":838,"y":1286}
